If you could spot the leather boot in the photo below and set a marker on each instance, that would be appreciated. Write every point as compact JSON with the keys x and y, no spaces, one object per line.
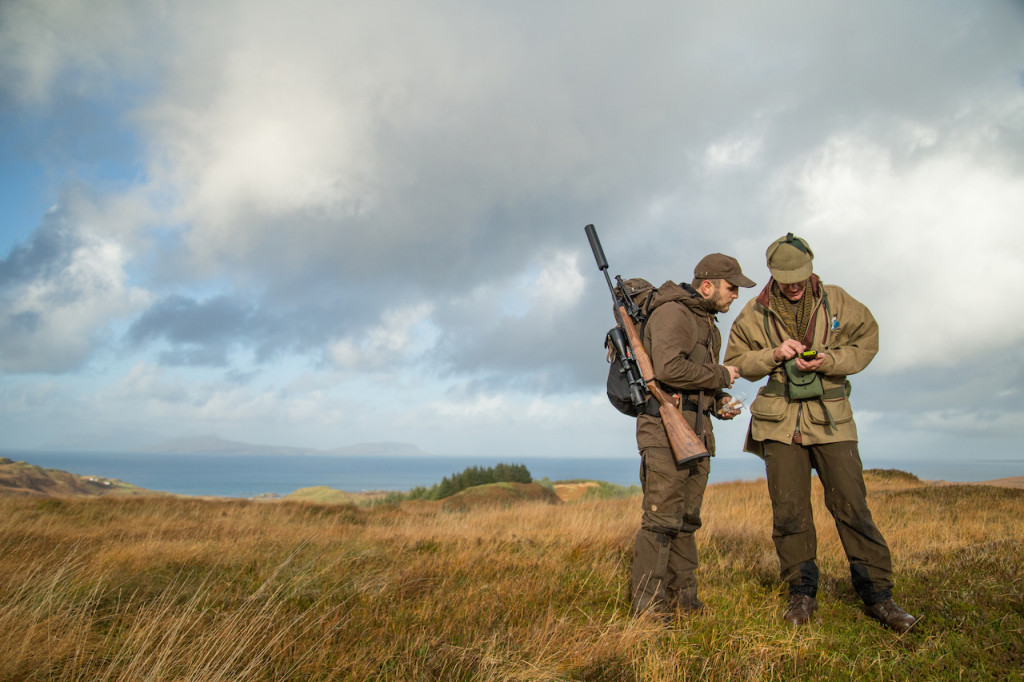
{"x":686,"y":600}
{"x":691,"y":606}
{"x":801,"y":606}
{"x":892,"y":616}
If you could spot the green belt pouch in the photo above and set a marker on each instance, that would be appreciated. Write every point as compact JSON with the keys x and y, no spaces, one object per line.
{"x":802,"y":385}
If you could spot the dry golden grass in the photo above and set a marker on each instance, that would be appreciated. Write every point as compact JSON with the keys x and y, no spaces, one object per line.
{"x":573,"y":492}
{"x":180,"y":589}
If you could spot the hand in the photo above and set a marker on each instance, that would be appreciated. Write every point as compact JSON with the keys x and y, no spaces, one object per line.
{"x":734,"y":374}
{"x":786,"y":350}
{"x":726,"y":412}
{"x":811,"y":365}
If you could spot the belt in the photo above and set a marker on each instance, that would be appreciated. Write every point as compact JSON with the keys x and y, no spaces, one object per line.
{"x":776,"y":387}
{"x":652,"y":407}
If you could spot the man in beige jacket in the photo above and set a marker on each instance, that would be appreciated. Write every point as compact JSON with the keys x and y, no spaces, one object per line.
{"x":807,"y":337}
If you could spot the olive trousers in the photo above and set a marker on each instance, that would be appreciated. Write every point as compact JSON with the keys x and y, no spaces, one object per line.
{"x":665,"y":551}
{"x":840,"y":471}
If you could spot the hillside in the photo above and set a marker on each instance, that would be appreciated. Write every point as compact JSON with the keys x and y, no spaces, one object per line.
{"x":502,"y":494}
{"x":476,"y":496}
{"x":20,"y":479}
{"x":190,"y":589}
{"x":322,"y":494}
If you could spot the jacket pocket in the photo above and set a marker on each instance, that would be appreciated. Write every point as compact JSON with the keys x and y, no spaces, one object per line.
{"x":769,"y":407}
{"x":839,"y":408}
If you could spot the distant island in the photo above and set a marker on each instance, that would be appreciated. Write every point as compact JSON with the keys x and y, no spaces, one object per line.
{"x":213,"y":445}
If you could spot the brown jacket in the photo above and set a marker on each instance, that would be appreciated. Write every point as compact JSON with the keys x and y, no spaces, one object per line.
{"x":848,"y":336}
{"x":683,"y":343}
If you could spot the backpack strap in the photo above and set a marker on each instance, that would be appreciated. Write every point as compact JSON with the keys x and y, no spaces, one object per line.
{"x":646,"y":313}
{"x":767,"y":330}
{"x":828,"y":313}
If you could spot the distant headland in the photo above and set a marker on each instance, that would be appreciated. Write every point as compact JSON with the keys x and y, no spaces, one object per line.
{"x":214,"y":445}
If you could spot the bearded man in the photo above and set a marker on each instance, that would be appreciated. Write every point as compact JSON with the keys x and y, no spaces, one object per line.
{"x":684,"y":343}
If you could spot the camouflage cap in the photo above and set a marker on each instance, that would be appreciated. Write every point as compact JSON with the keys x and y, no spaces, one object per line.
{"x":790,"y":259}
{"x":720,"y":266}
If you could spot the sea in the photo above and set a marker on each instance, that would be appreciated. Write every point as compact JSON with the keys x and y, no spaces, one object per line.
{"x":247,"y":476}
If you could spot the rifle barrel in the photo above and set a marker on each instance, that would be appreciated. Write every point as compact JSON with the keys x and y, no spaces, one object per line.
{"x":595,"y":246}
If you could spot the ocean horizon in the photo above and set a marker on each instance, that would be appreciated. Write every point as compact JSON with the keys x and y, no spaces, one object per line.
{"x":248,"y":476}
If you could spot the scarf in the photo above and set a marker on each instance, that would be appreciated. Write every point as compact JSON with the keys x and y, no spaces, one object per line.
{"x":795,"y":316}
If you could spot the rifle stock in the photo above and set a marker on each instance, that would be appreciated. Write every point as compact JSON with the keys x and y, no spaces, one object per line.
{"x":686,"y":446}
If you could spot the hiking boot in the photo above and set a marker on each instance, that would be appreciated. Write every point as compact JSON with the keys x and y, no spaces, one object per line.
{"x":801,"y":606}
{"x":663,"y":618}
{"x":892,"y":616}
{"x":692,"y":606}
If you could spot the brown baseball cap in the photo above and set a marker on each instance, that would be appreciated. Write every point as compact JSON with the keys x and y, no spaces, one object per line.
{"x":790,"y":259}
{"x":720,"y":266}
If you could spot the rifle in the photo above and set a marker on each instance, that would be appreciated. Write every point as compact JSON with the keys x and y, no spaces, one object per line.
{"x":686,"y":446}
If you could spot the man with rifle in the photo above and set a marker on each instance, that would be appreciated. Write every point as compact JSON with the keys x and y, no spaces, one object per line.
{"x":672,"y":382}
{"x":683,"y":343}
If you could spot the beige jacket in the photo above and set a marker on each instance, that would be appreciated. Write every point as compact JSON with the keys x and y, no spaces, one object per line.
{"x":683,"y":342}
{"x":841,"y":327}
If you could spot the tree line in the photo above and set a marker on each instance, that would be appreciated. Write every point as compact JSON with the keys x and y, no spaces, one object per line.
{"x":467,"y":478}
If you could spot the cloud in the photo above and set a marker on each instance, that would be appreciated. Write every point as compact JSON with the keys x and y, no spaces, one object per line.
{"x":200,"y":332}
{"x":60,"y":293}
{"x":926,"y":230}
{"x":146,"y":383}
{"x":524,"y":332}
{"x":737,"y":152}
{"x":403,"y":336}
{"x":287,"y":203}
{"x":71,"y":47}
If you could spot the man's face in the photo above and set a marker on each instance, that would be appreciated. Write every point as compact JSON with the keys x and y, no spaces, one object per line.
{"x":720,"y":293}
{"x":794,"y":292}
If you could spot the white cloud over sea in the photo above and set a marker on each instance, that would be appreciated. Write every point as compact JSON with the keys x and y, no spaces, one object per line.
{"x":330,"y":222}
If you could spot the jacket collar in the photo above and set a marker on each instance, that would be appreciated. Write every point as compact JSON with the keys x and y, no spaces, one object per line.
{"x":686,"y":295}
{"x":696,"y":302}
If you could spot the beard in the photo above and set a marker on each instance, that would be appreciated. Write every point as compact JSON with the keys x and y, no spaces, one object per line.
{"x":720,"y":300}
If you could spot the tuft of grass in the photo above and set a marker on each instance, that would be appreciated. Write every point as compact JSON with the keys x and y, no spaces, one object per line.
{"x":186,"y":589}
{"x":609,"y":491}
{"x":892,"y":475}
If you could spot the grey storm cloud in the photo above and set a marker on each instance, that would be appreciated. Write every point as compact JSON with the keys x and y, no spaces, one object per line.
{"x":413,"y":162}
{"x":47,"y":251}
{"x":207,"y":332}
{"x":200,"y":333}
{"x":546,"y":353}
{"x":59,"y":293}
{"x":365,"y":186}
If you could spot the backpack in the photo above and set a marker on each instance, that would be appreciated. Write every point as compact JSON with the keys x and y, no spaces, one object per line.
{"x":618,"y":386}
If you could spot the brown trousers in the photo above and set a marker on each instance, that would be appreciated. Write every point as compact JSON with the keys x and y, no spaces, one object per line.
{"x":840,"y":471}
{"x":665,"y":552}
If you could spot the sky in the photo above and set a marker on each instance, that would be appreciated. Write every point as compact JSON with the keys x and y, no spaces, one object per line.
{"x":320,"y":223}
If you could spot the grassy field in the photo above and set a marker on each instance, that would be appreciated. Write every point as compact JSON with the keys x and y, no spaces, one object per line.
{"x":182,"y":589}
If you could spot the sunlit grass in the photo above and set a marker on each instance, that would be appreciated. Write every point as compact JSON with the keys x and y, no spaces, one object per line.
{"x":181,"y":589}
